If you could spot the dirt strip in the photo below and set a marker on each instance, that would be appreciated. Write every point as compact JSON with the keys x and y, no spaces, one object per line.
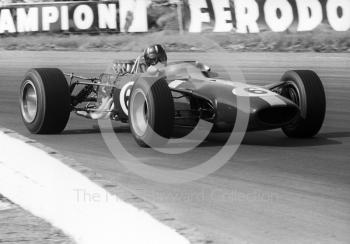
{"x":19,"y":226}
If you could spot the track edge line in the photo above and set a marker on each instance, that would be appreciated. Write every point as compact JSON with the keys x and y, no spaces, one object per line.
{"x":191,"y":234}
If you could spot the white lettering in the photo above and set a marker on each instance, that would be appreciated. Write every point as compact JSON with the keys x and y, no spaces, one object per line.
{"x":83,"y":17}
{"x":197,"y":16}
{"x":247,"y":14}
{"x":223,"y":18}
{"x":310,"y":14}
{"x":64,"y":18}
{"x":27,"y":21}
{"x":6,"y":21}
{"x":50,"y":15}
{"x":275,"y":22}
{"x":337,"y":21}
{"x":107,"y":16}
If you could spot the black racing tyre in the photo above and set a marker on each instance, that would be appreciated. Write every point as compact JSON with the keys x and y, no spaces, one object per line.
{"x":305,"y":88}
{"x":151,"y":110}
{"x":45,"y":101}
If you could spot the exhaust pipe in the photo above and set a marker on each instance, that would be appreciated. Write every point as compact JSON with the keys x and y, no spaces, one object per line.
{"x":102,"y":112}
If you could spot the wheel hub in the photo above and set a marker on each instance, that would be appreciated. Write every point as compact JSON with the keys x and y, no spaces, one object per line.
{"x":29,"y":101}
{"x":139,"y":112}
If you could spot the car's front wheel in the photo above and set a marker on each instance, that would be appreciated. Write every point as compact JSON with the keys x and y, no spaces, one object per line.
{"x":305,"y":89}
{"x":151,"y":113}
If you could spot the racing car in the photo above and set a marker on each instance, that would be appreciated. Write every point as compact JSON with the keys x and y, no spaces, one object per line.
{"x":296,"y":103}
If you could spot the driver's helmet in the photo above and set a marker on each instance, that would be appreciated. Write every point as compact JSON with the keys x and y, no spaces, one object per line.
{"x":155,"y":54}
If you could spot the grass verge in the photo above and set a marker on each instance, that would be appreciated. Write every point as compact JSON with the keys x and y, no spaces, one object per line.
{"x":318,"y":41}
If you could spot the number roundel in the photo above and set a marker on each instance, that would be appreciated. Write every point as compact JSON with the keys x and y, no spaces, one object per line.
{"x":251,"y":92}
{"x":124,"y":96}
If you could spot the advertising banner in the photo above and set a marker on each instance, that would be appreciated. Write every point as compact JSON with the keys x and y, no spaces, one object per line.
{"x":253,"y":16}
{"x":116,"y":16}
{"x":194,"y":16}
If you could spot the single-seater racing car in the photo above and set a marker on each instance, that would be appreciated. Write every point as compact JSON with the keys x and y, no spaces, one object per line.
{"x":183,"y":94}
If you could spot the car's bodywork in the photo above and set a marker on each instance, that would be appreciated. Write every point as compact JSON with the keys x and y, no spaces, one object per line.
{"x":196,"y":95}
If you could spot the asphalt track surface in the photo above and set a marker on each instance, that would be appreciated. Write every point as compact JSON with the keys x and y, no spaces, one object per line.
{"x":273,"y":190}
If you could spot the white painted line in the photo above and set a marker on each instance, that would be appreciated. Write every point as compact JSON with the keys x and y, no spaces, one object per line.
{"x":71,"y":202}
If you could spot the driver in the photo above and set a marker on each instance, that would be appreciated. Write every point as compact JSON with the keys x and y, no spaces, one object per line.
{"x":155,"y":58}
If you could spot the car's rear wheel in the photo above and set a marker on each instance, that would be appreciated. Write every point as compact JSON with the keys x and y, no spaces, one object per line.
{"x":151,"y":113}
{"x":305,"y":89}
{"x":45,"y":101}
